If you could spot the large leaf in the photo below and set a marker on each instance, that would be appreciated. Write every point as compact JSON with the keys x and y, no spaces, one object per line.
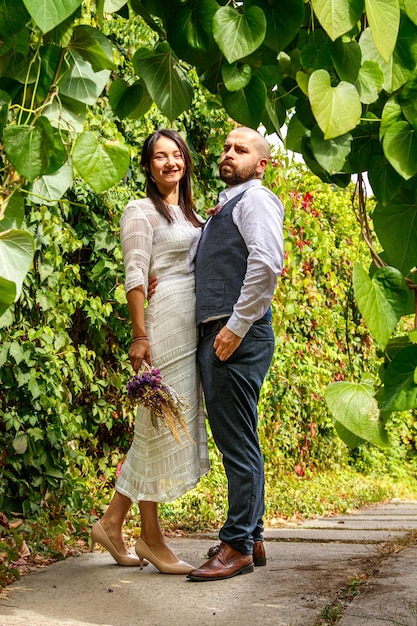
{"x":370,"y":81}
{"x":13,"y":16}
{"x":400,"y":148}
{"x":384,"y":179}
{"x":101,"y":165}
{"x":94,"y":47}
{"x":239,"y":34}
{"x":66,"y":113}
{"x":129,"y":101}
{"x":165,"y":81}
{"x":30,"y":148}
{"x":354,"y":406}
{"x":190,"y":32}
{"x":380,"y":299}
{"x":400,"y":388}
{"x":337,"y":17}
{"x":16,"y":254}
{"x":395,"y":71}
{"x":396,"y":227}
{"x":384,"y":21}
{"x":283,"y":21}
{"x":7,"y":293}
{"x":349,"y":438}
{"x":236,"y":76}
{"x":14,"y":213}
{"x":50,"y":188}
{"x":336,"y":109}
{"x":346,"y":57}
{"x":246,"y":105}
{"x":411,"y":10}
{"x":330,"y":154}
{"x":408,"y":100}
{"x":49,"y":13}
{"x":81,"y":82}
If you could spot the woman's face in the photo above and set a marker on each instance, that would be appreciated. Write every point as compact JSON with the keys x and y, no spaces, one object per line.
{"x":167,"y":164}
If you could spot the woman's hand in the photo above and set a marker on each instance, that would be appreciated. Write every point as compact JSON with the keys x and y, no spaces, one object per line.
{"x":152,"y":284}
{"x":139,"y":351}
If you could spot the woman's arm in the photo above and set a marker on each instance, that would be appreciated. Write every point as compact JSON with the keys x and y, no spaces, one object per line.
{"x":140,"y":348}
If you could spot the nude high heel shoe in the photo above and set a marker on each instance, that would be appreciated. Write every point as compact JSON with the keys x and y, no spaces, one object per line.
{"x":99,"y":535}
{"x":144,"y":552}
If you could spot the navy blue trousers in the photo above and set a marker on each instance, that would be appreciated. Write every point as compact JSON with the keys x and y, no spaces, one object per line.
{"x":231,"y":391}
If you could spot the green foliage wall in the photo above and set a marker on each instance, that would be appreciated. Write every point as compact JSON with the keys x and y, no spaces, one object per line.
{"x":63,"y":356}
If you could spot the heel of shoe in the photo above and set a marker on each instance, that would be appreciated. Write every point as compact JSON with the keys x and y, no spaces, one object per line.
{"x":248,"y":569}
{"x":260,"y":561}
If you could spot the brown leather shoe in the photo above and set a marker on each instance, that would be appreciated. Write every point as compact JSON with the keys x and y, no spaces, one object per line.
{"x":225,"y":563}
{"x":259,"y":557}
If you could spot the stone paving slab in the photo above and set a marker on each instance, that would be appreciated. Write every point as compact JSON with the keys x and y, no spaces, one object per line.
{"x":306,"y":571}
{"x":389,"y":597}
{"x":298,"y":581}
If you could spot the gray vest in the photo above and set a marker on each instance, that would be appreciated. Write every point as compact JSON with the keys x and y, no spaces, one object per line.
{"x":220,"y":266}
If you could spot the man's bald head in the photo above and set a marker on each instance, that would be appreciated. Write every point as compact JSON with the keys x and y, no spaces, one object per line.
{"x":245,"y":156}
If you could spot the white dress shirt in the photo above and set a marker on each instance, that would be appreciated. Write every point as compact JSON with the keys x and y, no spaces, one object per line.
{"x":258,"y":216}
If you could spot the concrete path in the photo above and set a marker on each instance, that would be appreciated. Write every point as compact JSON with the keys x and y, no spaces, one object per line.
{"x":314,"y":569}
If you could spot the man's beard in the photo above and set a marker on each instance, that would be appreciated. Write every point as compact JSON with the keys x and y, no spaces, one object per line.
{"x":235,"y":176}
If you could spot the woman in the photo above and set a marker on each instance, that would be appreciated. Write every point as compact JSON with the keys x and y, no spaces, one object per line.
{"x":159,"y":236}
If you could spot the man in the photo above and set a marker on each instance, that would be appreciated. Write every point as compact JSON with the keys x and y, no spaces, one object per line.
{"x":238,"y":261}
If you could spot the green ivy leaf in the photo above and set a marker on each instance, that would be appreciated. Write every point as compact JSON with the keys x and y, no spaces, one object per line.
{"x":351,"y":440}
{"x":381,"y":300}
{"x":411,"y":9}
{"x":30,"y":148}
{"x":408,"y":100}
{"x":400,"y":148}
{"x":13,"y":16}
{"x":336,"y":109}
{"x":16,"y":254}
{"x":246,"y":105}
{"x":20,"y":444}
{"x":239,"y":34}
{"x":7,"y":292}
{"x":80,"y":82}
{"x":385,"y":181}
{"x":165,"y":81}
{"x":370,"y":81}
{"x":395,"y":72}
{"x":14,"y":213}
{"x":283,"y":21}
{"x":49,"y":13}
{"x":236,"y":77}
{"x":384,"y":21}
{"x":346,"y":57}
{"x":354,"y":406}
{"x":396,"y":226}
{"x":101,"y":165}
{"x":111,"y":6}
{"x":129,"y":101}
{"x":50,"y":188}
{"x":330,"y":154}
{"x":400,"y":389}
{"x":337,"y":16}
{"x":190,"y":32}
{"x":94,"y":47}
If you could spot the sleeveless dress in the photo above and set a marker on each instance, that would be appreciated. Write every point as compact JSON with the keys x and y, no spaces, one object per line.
{"x":157,"y":468}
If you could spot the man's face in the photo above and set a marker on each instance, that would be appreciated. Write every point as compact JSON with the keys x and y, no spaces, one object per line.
{"x":240,"y":158}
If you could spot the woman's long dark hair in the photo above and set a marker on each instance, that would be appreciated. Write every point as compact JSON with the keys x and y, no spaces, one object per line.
{"x":152,"y":191}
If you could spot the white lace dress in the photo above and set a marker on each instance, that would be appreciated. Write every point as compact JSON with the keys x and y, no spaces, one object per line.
{"x":157,"y":468}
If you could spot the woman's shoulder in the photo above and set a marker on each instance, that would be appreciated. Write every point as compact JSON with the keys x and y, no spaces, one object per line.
{"x":139,"y":208}
{"x":144,"y":205}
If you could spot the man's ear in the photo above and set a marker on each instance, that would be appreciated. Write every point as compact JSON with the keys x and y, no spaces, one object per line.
{"x":262,"y":163}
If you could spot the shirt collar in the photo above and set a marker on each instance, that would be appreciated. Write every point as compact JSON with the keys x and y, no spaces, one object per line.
{"x":231,"y":192}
